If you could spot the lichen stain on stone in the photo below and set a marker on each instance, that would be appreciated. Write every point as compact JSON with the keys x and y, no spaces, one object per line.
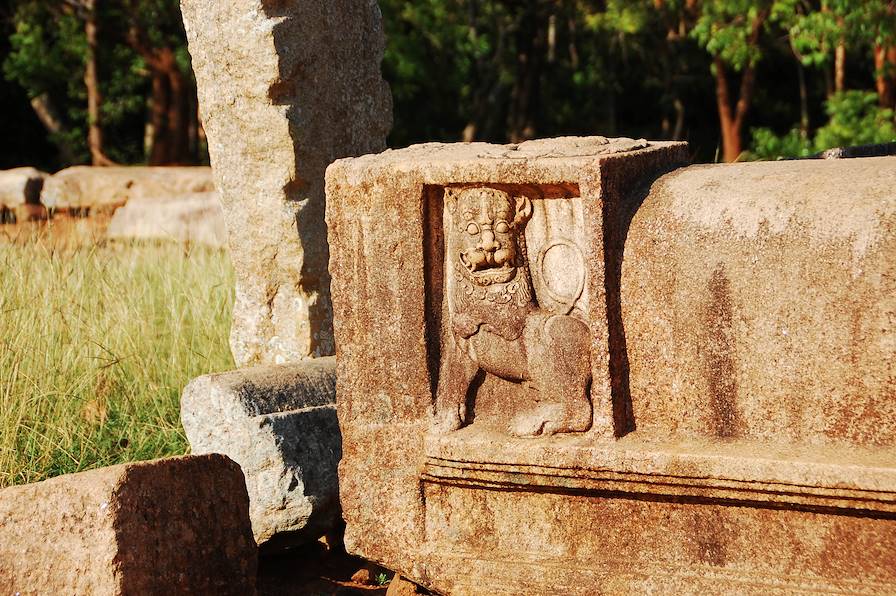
{"x":720,"y":357}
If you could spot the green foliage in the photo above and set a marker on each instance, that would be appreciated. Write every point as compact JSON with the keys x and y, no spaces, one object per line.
{"x":47,"y":53}
{"x":493,"y":71}
{"x":382,"y":579}
{"x":97,"y":342}
{"x":854,"y":119}
{"x":726,"y":28}
{"x":767,"y":145}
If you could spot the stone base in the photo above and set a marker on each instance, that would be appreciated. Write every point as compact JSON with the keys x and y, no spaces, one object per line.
{"x":172,"y":526}
{"x":279,"y":424}
{"x":637,"y":517}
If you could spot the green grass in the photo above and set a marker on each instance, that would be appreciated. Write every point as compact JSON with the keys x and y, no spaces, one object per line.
{"x":96,"y":343}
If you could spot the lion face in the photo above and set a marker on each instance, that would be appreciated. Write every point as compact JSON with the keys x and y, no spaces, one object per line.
{"x":486,"y":226}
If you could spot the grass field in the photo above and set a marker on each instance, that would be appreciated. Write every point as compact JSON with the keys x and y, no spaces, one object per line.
{"x":96,"y":342}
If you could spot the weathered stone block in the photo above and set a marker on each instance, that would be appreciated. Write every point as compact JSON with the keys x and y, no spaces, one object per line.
{"x":562,"y":371}
{"x":21,"y":186}
{"x":285,"y":88}
{"x":176,"y":525}
{"x":279,"y":424}
{"x":20,"y":190}
{"x":84,"y":188}
{"x":194,"y":218}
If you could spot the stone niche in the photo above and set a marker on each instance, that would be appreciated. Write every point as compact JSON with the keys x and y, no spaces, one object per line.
{"x":563,"y":367}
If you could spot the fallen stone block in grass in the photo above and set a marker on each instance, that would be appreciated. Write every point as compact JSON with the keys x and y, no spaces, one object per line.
{"x":176,"y":525}
{"x":279,"y":424}
{"x":194,"y":218}
{"x":86,"y":190}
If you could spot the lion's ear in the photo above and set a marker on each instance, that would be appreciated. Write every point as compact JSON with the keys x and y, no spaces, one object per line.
{"x":450,"y":201}
{"x":523,"y":210}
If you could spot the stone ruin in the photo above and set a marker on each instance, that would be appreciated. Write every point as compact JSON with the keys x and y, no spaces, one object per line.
{"x":573,"y":366}
{"x":570,"y":365}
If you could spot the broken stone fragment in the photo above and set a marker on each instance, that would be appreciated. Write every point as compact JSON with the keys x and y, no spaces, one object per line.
{"x":279,"y":423}
{"x":176,"y":526}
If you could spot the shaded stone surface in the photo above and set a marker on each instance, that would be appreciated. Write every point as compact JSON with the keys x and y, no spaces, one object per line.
{"x":176,"y":525}
{"x":722,"y":454}
{"x":85,"y":189}
{"x":284,"y":89}
{"x":194,"y":218}
{"x":279,"y":424}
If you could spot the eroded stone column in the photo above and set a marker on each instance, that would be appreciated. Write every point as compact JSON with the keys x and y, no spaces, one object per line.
{"x":285,"y":88}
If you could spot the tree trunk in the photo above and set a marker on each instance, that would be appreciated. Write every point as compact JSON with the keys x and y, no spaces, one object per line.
{"x":94,"y":97}
{"x":159,"y":149}
{"x":840,"y":67}
{"x":731,"y":118}
{"x":731,"y":144}
{"x":884,"y":64}
{"x":48,"y":116}
{"x":804,"y":100}
{"x":171,"y":112}
{"x":173,"y":119}
{"x":531,"y":47}
{"x":840,"y":61}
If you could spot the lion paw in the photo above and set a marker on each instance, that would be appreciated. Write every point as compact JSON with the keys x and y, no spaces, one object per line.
{"x":550,"y":419}
{"x":447,"y":421}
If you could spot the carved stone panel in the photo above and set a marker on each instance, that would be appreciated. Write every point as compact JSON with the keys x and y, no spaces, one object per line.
{"x":515,"y":286}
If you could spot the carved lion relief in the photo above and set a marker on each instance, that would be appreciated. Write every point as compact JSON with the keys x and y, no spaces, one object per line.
{"x":496,"y":324}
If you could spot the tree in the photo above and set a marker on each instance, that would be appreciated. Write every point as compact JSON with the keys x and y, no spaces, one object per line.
{"x":731,"y":32}
{"x":88,"y":11}
{"x":155,"y":31}
{"x":135,"y":79}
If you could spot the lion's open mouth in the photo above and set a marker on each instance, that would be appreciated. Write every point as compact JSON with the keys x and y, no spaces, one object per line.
{"x":495,"y":275}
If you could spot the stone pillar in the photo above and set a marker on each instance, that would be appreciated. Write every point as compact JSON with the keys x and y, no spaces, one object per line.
{"x":285,"y":88}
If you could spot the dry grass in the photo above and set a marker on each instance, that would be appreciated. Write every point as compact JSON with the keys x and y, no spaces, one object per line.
{"x":96,"y":342}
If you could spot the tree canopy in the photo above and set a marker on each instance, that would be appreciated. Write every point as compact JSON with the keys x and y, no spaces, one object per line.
{"x":106,"y":81}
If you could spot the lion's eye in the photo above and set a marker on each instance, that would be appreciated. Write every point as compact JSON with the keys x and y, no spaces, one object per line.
{"x":472,"y":229}
{"x":501,"y":227}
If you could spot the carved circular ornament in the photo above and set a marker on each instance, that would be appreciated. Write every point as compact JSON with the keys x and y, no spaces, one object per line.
{"x":561,"y":269}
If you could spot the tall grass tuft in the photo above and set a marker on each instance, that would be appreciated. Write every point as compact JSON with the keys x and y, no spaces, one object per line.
{"x":96,"y":343}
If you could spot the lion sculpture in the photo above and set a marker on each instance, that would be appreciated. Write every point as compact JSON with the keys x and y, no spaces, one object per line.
{"x":497,"y":326}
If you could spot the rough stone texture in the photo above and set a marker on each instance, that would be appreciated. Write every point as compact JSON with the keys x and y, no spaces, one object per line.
{"x":83,"y":188}
{"x":761,"y":297}
{"x":285,"y":87}
{"x":279,"y":423}
{"x":741,"y":350}
{"x":173,"y":526}
{"x":399,"y":586}
{"x":194,"y":218}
